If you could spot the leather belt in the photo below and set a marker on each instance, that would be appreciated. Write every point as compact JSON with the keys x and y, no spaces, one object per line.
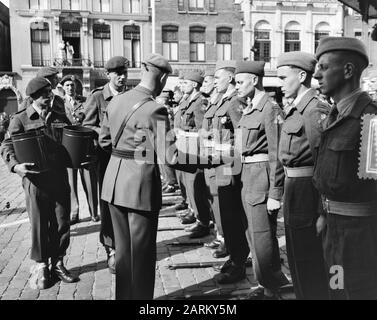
{"x":299,"y":172}
{"x":130,"y":154}
{"x":259,"y":157}
{"x":361,"y":209}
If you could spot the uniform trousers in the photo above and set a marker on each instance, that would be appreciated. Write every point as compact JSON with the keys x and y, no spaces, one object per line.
{"x":210,"y":179}
{"x":181,"y":182}
{"x":48,"y":206}
{"x":233,"y":220}
{"x":197,"y":194}
{"x":351,"y":244}
{"x":107,"y":232}
{"x":262,"y":226}
{"x":304,"y":247}
{"x":89,"y":183}
{"x":135,"y":260}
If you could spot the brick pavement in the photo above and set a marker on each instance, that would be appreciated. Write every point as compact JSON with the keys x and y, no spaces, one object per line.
{"x":86,"y":257}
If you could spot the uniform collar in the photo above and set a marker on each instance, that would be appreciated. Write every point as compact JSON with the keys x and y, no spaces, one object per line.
{"x":229,"y":95}
{"x":257,"y":103}
{"x":32,"y":110}
{"x":108,"y":92}
{"x":194,"y":96}
{"x":348,"y":102}
{"x":144,"y":90}
{"x":302,"y":101}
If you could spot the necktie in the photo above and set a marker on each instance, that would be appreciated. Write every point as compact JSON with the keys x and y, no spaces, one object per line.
{"x":333,"y":116}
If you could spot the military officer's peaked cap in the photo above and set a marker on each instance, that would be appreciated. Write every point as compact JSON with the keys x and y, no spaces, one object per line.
{"x":299,"y":59}
{"x":330,"y":44}
{"x":194,"y":76}
{"x":36,"y":84}
{"x":69,"y":77}
{"x":254,"y":67}
{"x":226,"y":64}
{"x":158,"y":61}
{"x":47,"y":72}
{"x":117,"y":62}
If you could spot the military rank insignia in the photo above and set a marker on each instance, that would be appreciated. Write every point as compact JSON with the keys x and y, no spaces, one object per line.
{"x":368,"y":148}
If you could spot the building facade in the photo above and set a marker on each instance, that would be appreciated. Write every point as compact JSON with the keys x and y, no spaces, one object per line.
{"x":272,"y":27}
{"x":78,"y":36}
{"x":194,"y":34}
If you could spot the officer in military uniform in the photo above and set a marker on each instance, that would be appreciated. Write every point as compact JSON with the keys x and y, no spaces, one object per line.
{"x":225,"y":118}
{"x":51,"y":74}
{"x":46,"y":192}
{"x":262,"y":177}
{"x":74,"y":108}
{"x":348,"y":219}
{"x":189,"y":123}
{"x":131,"y":130}
{"x":94,"y":110}
{"x":299,"y":139}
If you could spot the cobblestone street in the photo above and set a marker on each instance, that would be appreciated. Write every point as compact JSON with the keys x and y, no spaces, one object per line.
{"x":87,"y":258}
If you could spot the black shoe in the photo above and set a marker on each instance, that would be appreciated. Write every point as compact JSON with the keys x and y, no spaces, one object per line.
{"x":75,"y":219}
{"x":60,"y":272}
{"x":188,"y":219}
{"x":181,"y":206}
{"x":200,"y":232}
{"x":221,"y":251}
{"x":111,"y":263}
{"x":214,"y":244}
{"x":95,"y":218}
{"x":234,"y":274}
{"x":258,"y":294}
{"x":226,"y":266}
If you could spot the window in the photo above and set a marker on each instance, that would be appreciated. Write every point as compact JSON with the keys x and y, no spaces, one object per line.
{"x":40,"y":44}
{"x":170,"y":42}
{"x":101,"y":5}
{"x":181,"y":5}
{"x":292,"y":41}
{"x":38,"y":4}
{"x":131,"y":36}
{"x":102,"y":49}
{"x":358,"y":35}
{"x":224,"y":43}
{"x":262,"y":46}
{"x":70,"y":4}
{"x":131,"y":6}
{"x":197,"y":44}
{"x":195,"y":5}
{"x":317,"y":37}
{"x":212,"y":5}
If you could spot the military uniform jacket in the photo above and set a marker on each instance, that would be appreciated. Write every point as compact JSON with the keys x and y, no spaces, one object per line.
{"x":260,"y":131}
{"x":301,"y":131}
{"x":128,"y":182}
{"x":75,"y":112}
{"x":57,"y":103}
{"x":335,"y":174}
{"x":95,"y":107}
{"x":190,"y":113}
{"x":27,"y":120}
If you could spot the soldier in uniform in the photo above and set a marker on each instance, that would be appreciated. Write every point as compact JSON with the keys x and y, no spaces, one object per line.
{"x":299,"y":140}
{"x":51,"y":74}
{"x":262,"y":177}
{"x":74,"y":108}
{"x":225,"y":118}
{"x":190,"y":122}
{"x":130,"y":130}
{"x":348,"y":219}
{"x":94,"y":110}
{"x":47,"y":192}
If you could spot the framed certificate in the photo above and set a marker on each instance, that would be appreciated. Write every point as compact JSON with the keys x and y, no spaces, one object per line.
{"x":368,"y":149}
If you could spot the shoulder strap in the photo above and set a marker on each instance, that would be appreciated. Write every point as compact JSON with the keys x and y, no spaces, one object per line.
{"x":128,"y":117}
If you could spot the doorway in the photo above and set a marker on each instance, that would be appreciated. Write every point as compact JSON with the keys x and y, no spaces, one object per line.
{"x":71,"y":35}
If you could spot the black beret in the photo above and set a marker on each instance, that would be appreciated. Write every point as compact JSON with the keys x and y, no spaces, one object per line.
{"x":68,"y":77}
{"x":194,"y":76}
{"x":116,"y":63}
{"x":254,"y":67}
{"x":36,"y":84}
{"x":159,"y":62}
{"x":47,"y":72}
{"x":303,"y":60}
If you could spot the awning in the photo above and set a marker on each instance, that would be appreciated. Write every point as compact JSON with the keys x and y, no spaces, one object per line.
{"x":367,"y":8}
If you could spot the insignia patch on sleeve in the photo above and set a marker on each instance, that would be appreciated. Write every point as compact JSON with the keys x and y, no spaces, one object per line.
{"x":368,"y":148}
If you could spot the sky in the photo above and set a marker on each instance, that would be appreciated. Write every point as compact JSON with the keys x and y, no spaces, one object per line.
{"x":6,"y":2}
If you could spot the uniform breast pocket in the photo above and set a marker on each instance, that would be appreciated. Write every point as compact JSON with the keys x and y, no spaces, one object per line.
{"x":189,"y":120}
{"x":143,"y":136}
{"x":250,"y":133}
{"x":293,"y":131}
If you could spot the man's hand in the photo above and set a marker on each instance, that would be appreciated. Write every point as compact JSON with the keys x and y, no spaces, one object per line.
{"x":25,"y":169}
{"x":321,"y":224}
{"x":273,"y":205}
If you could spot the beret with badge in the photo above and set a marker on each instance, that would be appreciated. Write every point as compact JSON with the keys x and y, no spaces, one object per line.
{"x":117,"y":62}
{"x":35,"y":85}
{"x":47,"y":72}
{"x":254,"y":67}
{"x":299,"y":59}
{"x":159,"y":62}
{"x":69,"y":77}
{"x":195,"y":76}
{"x":329,"y":44}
